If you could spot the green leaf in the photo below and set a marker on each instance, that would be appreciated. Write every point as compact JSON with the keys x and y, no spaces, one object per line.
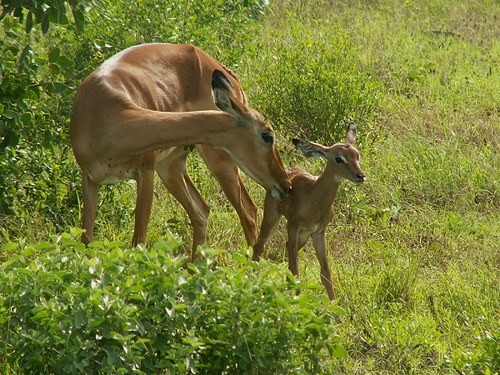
{"x":45,"y":23}
{"x":80,"y":319}
{"x":339,"y":351}
{"x":44,"y":246}
{"x":65,"y":62}
{"x":54,"y":55}
{"x":9,"y":114}
{"x":27,"y":119}
{"x":29,"y":22}
{"x":59,"y":87}
{"x":30,"y":94}
{"x":79,"y":19}
{"x":28,"y":251}
{"x":9,"y":246}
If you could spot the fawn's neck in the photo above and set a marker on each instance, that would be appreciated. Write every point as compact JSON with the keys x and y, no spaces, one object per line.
{"x":328,"y":184}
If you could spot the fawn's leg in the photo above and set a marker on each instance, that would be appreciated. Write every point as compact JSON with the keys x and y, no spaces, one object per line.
{"x":294,"y":244}
{"x":319,"y":242}
{"x":269,"y":222}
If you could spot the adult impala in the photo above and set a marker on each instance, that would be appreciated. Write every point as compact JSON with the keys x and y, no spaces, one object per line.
{"x":309,"y":208}
{"x":145,"y":109}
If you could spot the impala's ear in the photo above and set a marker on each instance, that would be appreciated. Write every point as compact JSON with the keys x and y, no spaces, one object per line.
{"x":350,"y":137}
{"x":309,"y":149}
{"x":219,"y":80}
{"x":221,"y":91}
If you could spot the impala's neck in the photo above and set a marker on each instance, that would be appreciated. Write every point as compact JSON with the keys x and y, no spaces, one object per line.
{"x":153,"y":130}
{"x":327,"y":184}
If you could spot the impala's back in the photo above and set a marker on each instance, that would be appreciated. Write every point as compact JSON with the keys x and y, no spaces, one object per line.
{"x":160,"y":77}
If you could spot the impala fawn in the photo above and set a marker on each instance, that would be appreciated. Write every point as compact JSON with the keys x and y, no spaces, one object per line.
{"x":309,"y":208}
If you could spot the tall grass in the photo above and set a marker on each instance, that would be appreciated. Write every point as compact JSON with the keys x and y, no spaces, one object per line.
{"x":414,"y":252}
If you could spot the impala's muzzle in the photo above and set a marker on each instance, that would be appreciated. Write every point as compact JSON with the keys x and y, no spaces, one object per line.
{"x":279,"y":193}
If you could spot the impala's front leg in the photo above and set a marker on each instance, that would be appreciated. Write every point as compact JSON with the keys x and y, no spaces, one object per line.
{"x":227,"y":174}
{"x":144,"y":202}
{"x":319,"y":242}
{"x":172,"y":171}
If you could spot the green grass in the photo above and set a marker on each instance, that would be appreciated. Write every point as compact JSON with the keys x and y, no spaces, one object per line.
{"x":414,"y":251}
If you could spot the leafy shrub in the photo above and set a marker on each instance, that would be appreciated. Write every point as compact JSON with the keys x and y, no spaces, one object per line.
{"x":33,"y":12}
{"x":219,"y":27}
{"x":104,"y":309}
{"x":36,"y":169}
{"x":312,"y":81}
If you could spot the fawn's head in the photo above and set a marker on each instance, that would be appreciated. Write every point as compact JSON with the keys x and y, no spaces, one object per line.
{"x":343,"y":157}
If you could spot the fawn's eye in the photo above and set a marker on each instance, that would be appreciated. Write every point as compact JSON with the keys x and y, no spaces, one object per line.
{"x":340,"y":159}
{"x":268,"y":137}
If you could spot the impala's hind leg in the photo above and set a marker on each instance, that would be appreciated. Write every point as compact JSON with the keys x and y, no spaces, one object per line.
{"x":144,"y":201}
{"x":90,"y":190}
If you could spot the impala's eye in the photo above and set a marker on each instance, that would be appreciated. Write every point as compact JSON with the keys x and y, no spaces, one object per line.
{"x":340,"y":159}
{"x":268,"y":137}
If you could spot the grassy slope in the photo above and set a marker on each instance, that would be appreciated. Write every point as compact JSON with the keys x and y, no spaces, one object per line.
{"x":416,"y":255}
{"x":414,"y":251}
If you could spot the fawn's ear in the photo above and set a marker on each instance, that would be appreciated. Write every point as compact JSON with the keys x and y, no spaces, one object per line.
{"x":310,"y":149}
{"x":350,"y":137}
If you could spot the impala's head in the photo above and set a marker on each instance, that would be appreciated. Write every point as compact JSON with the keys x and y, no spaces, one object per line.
{"x":252,"y":144}
{"x":342,"y":157}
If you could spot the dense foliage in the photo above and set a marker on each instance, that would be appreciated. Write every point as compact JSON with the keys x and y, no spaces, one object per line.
{"x":318,"y":80}
{"x":65,"y":309}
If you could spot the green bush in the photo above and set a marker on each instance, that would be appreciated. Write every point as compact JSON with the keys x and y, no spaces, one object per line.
{"x":105,"y":309}
{"x":218,"y":27}
{"x":33,"y":12}
{"x":311,"y":81}
{"x":36,"y":168}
